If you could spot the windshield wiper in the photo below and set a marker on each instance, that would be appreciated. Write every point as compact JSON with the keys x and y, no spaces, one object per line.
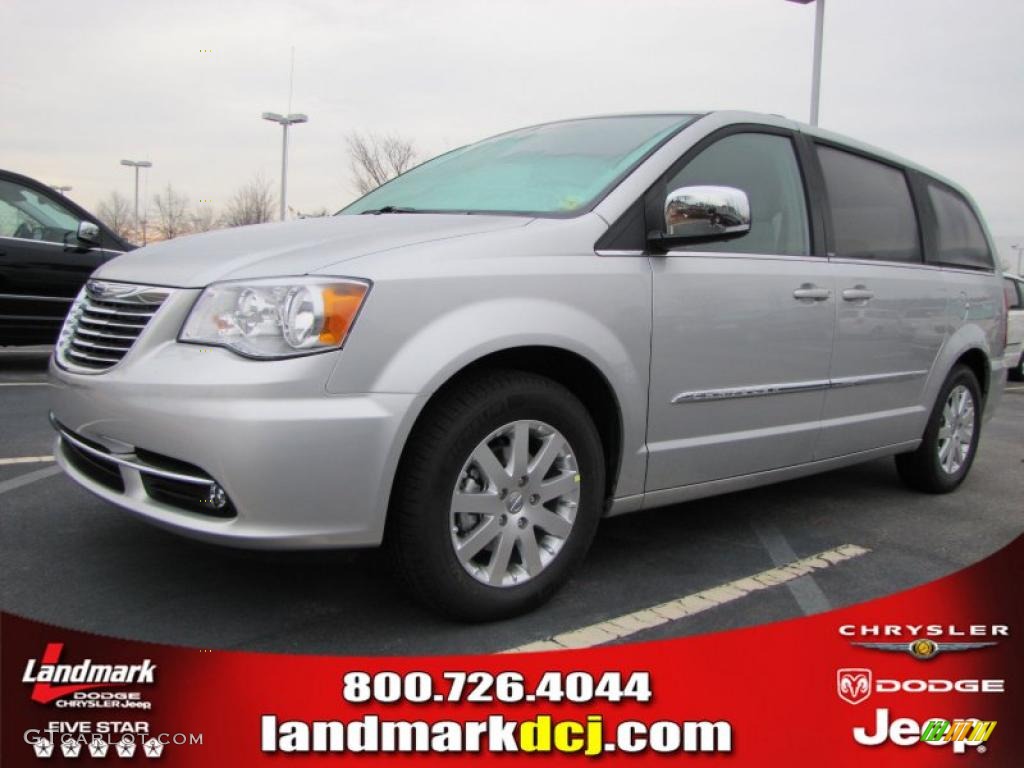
{"x":391,"y":209}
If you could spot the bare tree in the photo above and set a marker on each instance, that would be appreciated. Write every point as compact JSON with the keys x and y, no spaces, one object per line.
{"x":116,"y":213}
{"x":172,"y":218}
{"x":252,"y":203}
{"x":375,"y":159}
{"x":204,"y":218}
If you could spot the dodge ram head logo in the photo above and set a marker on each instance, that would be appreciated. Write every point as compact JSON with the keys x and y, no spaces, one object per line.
{"x":853,"y":685}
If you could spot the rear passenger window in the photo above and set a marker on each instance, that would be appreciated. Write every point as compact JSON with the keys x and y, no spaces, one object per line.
{"x":959,"y":238}
{"x":872,"y":212}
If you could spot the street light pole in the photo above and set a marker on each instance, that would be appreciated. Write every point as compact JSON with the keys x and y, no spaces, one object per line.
{"x":819,"y":37}
{"x":284,"y":121}
{"x":136,"y":164}
{"x":1020,"y":258}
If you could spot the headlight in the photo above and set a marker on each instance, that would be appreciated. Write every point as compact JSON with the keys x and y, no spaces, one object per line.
{"x":279,"y":317}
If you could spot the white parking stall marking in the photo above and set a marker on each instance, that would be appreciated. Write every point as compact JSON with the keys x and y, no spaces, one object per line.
{"x":1015,"y":389}
{"x":23,"y":480}
{"x":805,"y":591}
{"x":647,"y":618}
{"x":26,"y":384}
{"x":25,"y":460}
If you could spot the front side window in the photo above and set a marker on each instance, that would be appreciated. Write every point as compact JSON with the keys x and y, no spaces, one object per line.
{"x":558,"y":168}
{"x":872,"y":212}
{"x":764,"y":166}
{"x":960,"y":240}
{"x":29,"y":215}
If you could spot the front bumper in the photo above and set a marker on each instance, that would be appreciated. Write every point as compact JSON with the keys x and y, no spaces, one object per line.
{"x":300,"y":468}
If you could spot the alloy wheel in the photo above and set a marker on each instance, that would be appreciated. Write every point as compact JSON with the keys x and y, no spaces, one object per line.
{"x":514,"y":503}
{"x":956,"y":433}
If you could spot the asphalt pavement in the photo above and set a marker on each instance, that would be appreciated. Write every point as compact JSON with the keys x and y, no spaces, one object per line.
{"x":73,"y":560}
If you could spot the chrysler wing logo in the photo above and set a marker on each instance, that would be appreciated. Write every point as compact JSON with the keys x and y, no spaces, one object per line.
{"x":923,"y":648}
{"x":853,"y":685}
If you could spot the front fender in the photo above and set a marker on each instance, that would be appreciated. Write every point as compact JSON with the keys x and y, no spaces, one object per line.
{"x":427,"y":356}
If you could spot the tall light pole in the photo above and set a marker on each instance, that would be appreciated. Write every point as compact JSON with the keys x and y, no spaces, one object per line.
{"x":284,"y":121}
{"x":136,"y":164}
{"x":62,"y":188}
{"x":819,"y":35}
{"x":1020,"y":258}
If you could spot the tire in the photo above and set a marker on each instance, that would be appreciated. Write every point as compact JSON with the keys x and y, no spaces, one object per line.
{"x":428,"y":520}
{"x":1017,"y":373}
{"x":930,"y":471}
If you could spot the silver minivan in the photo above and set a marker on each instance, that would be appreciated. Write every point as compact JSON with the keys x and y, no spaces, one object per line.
{"x":476,"y":362}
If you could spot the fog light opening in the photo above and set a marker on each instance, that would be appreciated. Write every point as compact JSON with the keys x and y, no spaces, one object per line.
{"x":217,"y":498}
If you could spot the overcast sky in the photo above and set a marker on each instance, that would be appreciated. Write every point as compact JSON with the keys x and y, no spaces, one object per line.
{"x":85,"y":84}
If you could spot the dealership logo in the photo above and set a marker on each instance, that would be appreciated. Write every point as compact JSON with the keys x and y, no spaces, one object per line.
{"x":853,"y":685}
{"x":52,"y":680}
{"x":934,"y":732}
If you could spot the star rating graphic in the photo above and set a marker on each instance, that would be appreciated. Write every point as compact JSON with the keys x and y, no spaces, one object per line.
{"x":153,"y":748}
{"x":98,"y":747}
{"x":43,"y":748}
{"x":125,"y":748}
{"x":70,"y":748}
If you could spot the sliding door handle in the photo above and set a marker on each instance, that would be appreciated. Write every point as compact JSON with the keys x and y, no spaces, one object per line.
{"x":858,"y":293}
{"x":809,"y":291}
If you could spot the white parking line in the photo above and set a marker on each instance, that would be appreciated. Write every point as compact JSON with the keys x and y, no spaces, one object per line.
{"x":25,"y":384}
{"x":805,"y":591}
{"x":631,"y":623}
{"x":31,"y":477}
{"x":1015,"y":389}
{"x":25,"y":460}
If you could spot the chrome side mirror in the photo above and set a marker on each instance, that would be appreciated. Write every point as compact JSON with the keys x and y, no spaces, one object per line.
{"x":88,"y":232}
{"x":706,"y":212}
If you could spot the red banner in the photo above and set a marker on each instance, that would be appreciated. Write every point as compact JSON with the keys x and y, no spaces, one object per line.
{"x":927,"y":677}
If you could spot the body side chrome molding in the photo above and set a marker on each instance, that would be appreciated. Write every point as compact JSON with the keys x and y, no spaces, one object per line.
{"x":760,"y":390}
{"x":756,"y":390}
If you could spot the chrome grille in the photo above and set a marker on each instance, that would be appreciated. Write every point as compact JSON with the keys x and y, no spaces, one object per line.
{"x":104,"y":323}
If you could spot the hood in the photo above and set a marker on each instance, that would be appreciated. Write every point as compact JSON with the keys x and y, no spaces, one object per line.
{"x":290,"y":248}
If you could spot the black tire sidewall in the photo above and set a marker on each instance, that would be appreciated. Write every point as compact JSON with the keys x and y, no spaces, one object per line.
{"x":534,"y":399}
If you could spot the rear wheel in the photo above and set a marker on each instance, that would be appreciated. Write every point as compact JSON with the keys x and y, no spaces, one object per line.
{"x":497,"y":497}
{"x":950,"y":440}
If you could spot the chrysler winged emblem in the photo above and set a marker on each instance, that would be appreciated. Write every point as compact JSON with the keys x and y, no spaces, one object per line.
{"x":923,"y":648}
{"x":853,"y":685}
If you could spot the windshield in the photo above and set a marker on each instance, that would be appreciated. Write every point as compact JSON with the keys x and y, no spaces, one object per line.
{"x":558,"y":168}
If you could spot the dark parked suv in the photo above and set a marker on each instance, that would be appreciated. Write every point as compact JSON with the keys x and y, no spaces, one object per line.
{"x":48,"y":248}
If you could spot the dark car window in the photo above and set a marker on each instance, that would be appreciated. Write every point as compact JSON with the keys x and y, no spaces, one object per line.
{"x":872,"y":212}
{"x":30,"y":215}
{"x":764,"y":166}
{"x":1014,"y":293}
{"x":960,"y":239}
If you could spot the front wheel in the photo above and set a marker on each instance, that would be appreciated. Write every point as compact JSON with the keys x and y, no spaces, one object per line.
{"x":497,"y":496}
{"x":950,"y":440}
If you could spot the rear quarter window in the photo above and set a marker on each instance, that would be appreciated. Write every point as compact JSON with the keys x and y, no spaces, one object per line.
{"x":1012,"y":289}
{"x":959,"y":238}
